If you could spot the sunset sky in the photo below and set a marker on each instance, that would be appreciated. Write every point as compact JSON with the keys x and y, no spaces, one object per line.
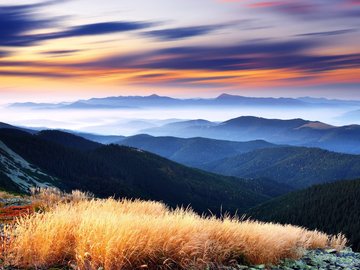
{"x":65,"y":50}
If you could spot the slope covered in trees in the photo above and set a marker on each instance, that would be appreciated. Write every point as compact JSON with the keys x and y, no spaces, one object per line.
{"x":333,"y":208}
{"x":296,"y":166}
{"x":127,"y":172}
{"x":192,"y":151}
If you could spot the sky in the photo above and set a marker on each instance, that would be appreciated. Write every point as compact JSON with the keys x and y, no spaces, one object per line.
{"x":60,"y":50}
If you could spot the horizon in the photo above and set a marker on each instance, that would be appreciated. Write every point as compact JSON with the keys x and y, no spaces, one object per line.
{"x":138,"y":116}
{"x":153,"y":94}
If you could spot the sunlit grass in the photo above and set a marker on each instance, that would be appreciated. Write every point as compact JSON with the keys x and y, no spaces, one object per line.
{"x":6,"y":195}
{"x":137,"y":234}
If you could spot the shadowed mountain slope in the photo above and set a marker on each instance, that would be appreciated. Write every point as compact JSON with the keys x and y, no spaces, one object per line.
{"x":295,"y":166}
{"x":332,"y":208}
{"x":127,"y":172}
{"x":192,"y":151}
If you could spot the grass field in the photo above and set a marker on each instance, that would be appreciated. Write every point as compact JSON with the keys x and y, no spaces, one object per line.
{"x":136,"y":234}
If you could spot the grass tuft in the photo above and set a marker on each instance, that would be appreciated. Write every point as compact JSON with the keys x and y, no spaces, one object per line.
{"x":131,"y":234}
{"x":7,"y":195}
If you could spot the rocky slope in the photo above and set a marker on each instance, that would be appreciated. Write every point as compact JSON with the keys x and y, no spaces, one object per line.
{"x":22,"y":174}
{"x":315,"y":260}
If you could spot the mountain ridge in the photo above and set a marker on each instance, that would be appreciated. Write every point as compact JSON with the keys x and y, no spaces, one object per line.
{"x":296,"y":166}
{"x":330,"y":207}
{"x":297,"y":132}
{"x":128,"y":172}
{"x":157,"y":100}
{"x":192,"y":151}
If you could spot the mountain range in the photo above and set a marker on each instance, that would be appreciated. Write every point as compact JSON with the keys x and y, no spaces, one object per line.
{"x":71,"y":162}
{"x":297,"y":132}
{"x":127,"y":102}
{"x":295,"y":166}
{"x":264,"y":180}
{"x":193,"y":152}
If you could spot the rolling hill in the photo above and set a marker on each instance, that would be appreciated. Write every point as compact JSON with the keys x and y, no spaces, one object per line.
{"x":296,"y":166}
{"x":8,"y":126}
{"x":296,"y":132}
{"x":104,"y":139}
{"x":332,"y":208}
{"x":192,"y":151}
{"x":67,"y":140}
{"x":121,"y":171}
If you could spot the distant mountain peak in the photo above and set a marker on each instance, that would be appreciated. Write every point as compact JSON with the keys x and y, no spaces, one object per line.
{"x":225,"y":95}
{"x":316,"y":125}
{"x":250,"y":117}
{"x":260,"y":122}
{"x":154,"y":96}
{"x":196,"y":122}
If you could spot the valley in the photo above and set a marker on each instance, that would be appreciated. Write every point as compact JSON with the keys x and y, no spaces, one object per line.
{"x":215,"y":174}
{"x":209,"y":175}
{"x":128,"y":172}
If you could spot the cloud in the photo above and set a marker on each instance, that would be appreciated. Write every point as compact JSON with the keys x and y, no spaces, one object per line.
{"x":184,"y":32}
{"x":60,"y":52}
{"x":306,"y":9}
{"x":200,"y":30}
{"x":254,"y":62}
{"x":353,"y":2}
{"x":203,"y":80}
{"x":4,"y":53}
{"x":329,"y":33}
{"x":18,"y":21}
{"x":249,"y":56}
{"x":294,"y":7}
{"x":34,"y":74}
{"x":205,"y":57}
{"x":97,"y":29}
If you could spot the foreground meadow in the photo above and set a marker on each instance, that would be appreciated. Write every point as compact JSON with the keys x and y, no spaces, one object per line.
{"x":86,"y":233}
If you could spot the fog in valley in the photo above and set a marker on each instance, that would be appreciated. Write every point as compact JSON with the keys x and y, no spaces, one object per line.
{"x":135,"y":120}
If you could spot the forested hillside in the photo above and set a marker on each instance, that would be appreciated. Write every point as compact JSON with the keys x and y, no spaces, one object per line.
{"x":127,"y":172}
{"x":332,"y":208}
{"x":192,"y":151}
{"x":296,"y":166}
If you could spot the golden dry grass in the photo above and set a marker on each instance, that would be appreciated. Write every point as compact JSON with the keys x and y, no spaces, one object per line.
{"x":6,"y":195}
{"x":46,"y":198}
{"x":137,"y":234}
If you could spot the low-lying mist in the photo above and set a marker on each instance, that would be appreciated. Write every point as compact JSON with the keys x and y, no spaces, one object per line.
{"x":133,"y":121}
